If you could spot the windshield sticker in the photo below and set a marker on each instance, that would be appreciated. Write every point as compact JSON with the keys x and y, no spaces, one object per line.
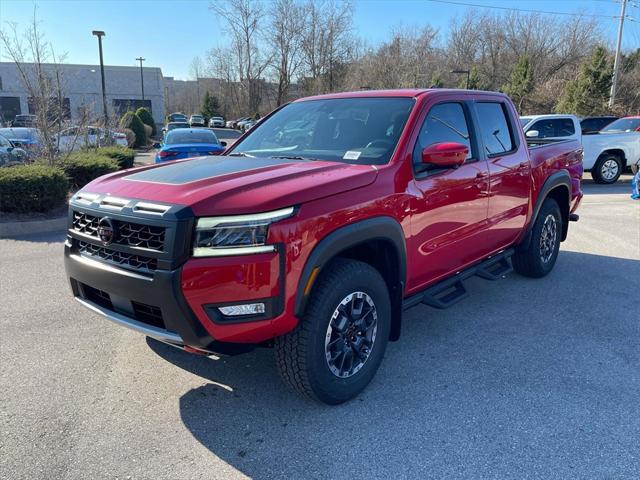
{"x":351,"y":155}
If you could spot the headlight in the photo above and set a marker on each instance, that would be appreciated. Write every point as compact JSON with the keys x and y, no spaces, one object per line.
{"x":236,"y":235}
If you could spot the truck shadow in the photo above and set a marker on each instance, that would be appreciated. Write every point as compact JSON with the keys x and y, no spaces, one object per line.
{"x":492,"y":384}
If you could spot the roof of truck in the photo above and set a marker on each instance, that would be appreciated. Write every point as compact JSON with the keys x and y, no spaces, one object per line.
{"x":400,"y":92}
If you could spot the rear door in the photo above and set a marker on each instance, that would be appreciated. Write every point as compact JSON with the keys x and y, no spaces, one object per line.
{"x":509,"y":172}
{"x":448,"y":206}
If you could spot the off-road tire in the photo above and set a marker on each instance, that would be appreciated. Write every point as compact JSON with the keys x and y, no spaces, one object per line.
{"x":301,"y":356}
{"x":531,"y":261}
{"x":601,"y":171}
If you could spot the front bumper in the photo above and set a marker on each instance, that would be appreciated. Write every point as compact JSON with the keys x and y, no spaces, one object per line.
{"x":153,"y":306}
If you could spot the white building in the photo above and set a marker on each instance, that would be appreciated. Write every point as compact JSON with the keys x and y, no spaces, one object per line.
{"x":83,"y":90}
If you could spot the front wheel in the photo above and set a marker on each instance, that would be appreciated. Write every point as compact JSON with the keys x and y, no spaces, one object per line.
{"x":538,"y":259}
{"x":338,"y":346}
{"x":607,"y":169}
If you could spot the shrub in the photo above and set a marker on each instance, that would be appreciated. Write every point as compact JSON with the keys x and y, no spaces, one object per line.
{"x":122,"y":155}
{"x":32,"y":188}
{"x":131,"y":137}
{"x":130,"y":120}
{"x":82,"y":167}
{"x":147,"y":130}
{"x":145,"y":115}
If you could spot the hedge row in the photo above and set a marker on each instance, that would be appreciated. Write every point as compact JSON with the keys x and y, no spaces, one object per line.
{"x":124,"y":156}
{"x":39,"y":188}
{"x":80,"y":168}
{"x":32,"y":188}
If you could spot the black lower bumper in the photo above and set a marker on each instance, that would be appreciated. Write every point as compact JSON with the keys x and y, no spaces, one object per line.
{"x":150,"y":304}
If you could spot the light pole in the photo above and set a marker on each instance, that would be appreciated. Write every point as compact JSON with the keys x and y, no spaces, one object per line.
{"x":616,"y":62}
{"x":100,"y":34}
{"x":140,"y":59}
{"x":463,"y":71}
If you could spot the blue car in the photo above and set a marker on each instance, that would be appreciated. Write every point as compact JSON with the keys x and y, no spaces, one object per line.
{"x":188,"y":142}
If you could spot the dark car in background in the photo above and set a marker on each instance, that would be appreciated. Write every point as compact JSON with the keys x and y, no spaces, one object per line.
{"x":9,"y":154}
{"x":29,"y":139}
{"x":173,"y":125}
{"x":24,"y":121}
{"x":177,"y":117}
{"x":591,"y":125}
{"x":186,"y":143}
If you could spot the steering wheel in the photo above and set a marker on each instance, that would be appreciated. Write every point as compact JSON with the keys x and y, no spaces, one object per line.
{"x":382,"y":143}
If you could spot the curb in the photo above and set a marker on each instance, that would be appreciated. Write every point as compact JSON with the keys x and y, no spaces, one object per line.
{"x":15,"y":229}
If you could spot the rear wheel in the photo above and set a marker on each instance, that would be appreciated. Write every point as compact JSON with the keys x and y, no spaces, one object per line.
{"x":539,"y":257}
{"x":338,"y":346}
{"x":607,"y":169}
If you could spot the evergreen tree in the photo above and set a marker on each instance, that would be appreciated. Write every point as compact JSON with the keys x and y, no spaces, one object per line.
{"x":436,"y":81}
{"x":520,"y":82}
{"x":588,"y":94}
{"x":475,"y":83}
{"x":210,"y":106}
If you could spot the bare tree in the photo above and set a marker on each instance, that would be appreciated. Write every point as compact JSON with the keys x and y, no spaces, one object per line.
{"x":244,"y":19}
{"x":39,"y":71}
{"x":326,"y":43}
{"x":285,"y":38}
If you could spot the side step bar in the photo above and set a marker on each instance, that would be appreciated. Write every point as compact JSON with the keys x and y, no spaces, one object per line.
{"x":450,"y":291}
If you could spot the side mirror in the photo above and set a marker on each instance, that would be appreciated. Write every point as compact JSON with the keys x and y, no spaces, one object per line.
{"x":157,"y":145}
{"x":533,"y":133}
{"x":223,"y":143}
{"x":445,"y":154}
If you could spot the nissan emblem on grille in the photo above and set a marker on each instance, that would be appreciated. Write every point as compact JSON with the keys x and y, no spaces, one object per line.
{"x":106,"y":231}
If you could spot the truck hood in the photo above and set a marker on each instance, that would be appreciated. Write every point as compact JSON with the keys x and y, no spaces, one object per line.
{"x":232,"y":185}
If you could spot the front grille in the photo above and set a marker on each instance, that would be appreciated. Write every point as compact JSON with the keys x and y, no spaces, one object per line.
{"x":132,"y":234}
{"x":138,"y":262}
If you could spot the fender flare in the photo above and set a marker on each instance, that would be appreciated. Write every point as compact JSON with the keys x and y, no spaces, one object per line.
{"x":555,"y":180}
{"x":376,"y":228}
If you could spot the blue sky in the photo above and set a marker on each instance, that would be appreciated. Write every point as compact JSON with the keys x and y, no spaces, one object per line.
{"x":169,"y":33}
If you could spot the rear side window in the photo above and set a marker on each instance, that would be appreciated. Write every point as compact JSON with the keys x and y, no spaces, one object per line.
{"x":494,"y":126}
{"x":446,"y":122}
{"x":554,"y":127}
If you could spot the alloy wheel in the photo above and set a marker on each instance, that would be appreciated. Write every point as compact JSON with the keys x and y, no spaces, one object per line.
{"x":351,"y":334}
{"x":548,"y":237}
{"x":609,"y":169}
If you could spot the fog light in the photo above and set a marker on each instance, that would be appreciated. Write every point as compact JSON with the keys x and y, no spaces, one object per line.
{"x":247,"y":309}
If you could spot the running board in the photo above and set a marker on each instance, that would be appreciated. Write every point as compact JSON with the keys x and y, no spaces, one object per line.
{"x":450,"y":291}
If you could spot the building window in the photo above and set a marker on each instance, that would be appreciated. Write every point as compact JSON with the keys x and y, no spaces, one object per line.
{"x":9,"y":108}
{"x":54,"y":112}
{"x":122,"y":105}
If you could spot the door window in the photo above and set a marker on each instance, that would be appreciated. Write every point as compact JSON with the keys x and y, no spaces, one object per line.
{"x":554,"y":127}
{"x":494,"y":126}
{"x":446,"y":122}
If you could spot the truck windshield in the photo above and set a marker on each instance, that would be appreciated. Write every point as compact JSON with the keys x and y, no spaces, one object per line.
{"x":350,"y":130}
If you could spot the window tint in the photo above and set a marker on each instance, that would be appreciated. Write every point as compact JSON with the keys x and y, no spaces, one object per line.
{"x":591,"y":125}
{"x":4,"y":142}
{"x":444,"y":123}
{"x":494,"y":127}
{"x":361,"y":130}
{"x":554,"y":127}
{"x":179,"y":136}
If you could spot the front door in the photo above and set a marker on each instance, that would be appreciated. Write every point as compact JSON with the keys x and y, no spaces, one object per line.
{"x":449,"y":206}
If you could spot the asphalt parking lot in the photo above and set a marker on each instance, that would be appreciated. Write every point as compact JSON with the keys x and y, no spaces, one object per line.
{"x":524,"y":379}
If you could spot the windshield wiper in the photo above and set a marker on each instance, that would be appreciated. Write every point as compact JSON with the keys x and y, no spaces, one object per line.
{"x":290,"y":157}
{"x":239,"y":154}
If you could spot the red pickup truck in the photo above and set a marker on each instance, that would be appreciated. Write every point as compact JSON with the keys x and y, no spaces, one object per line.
{"x":315,"y":230}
